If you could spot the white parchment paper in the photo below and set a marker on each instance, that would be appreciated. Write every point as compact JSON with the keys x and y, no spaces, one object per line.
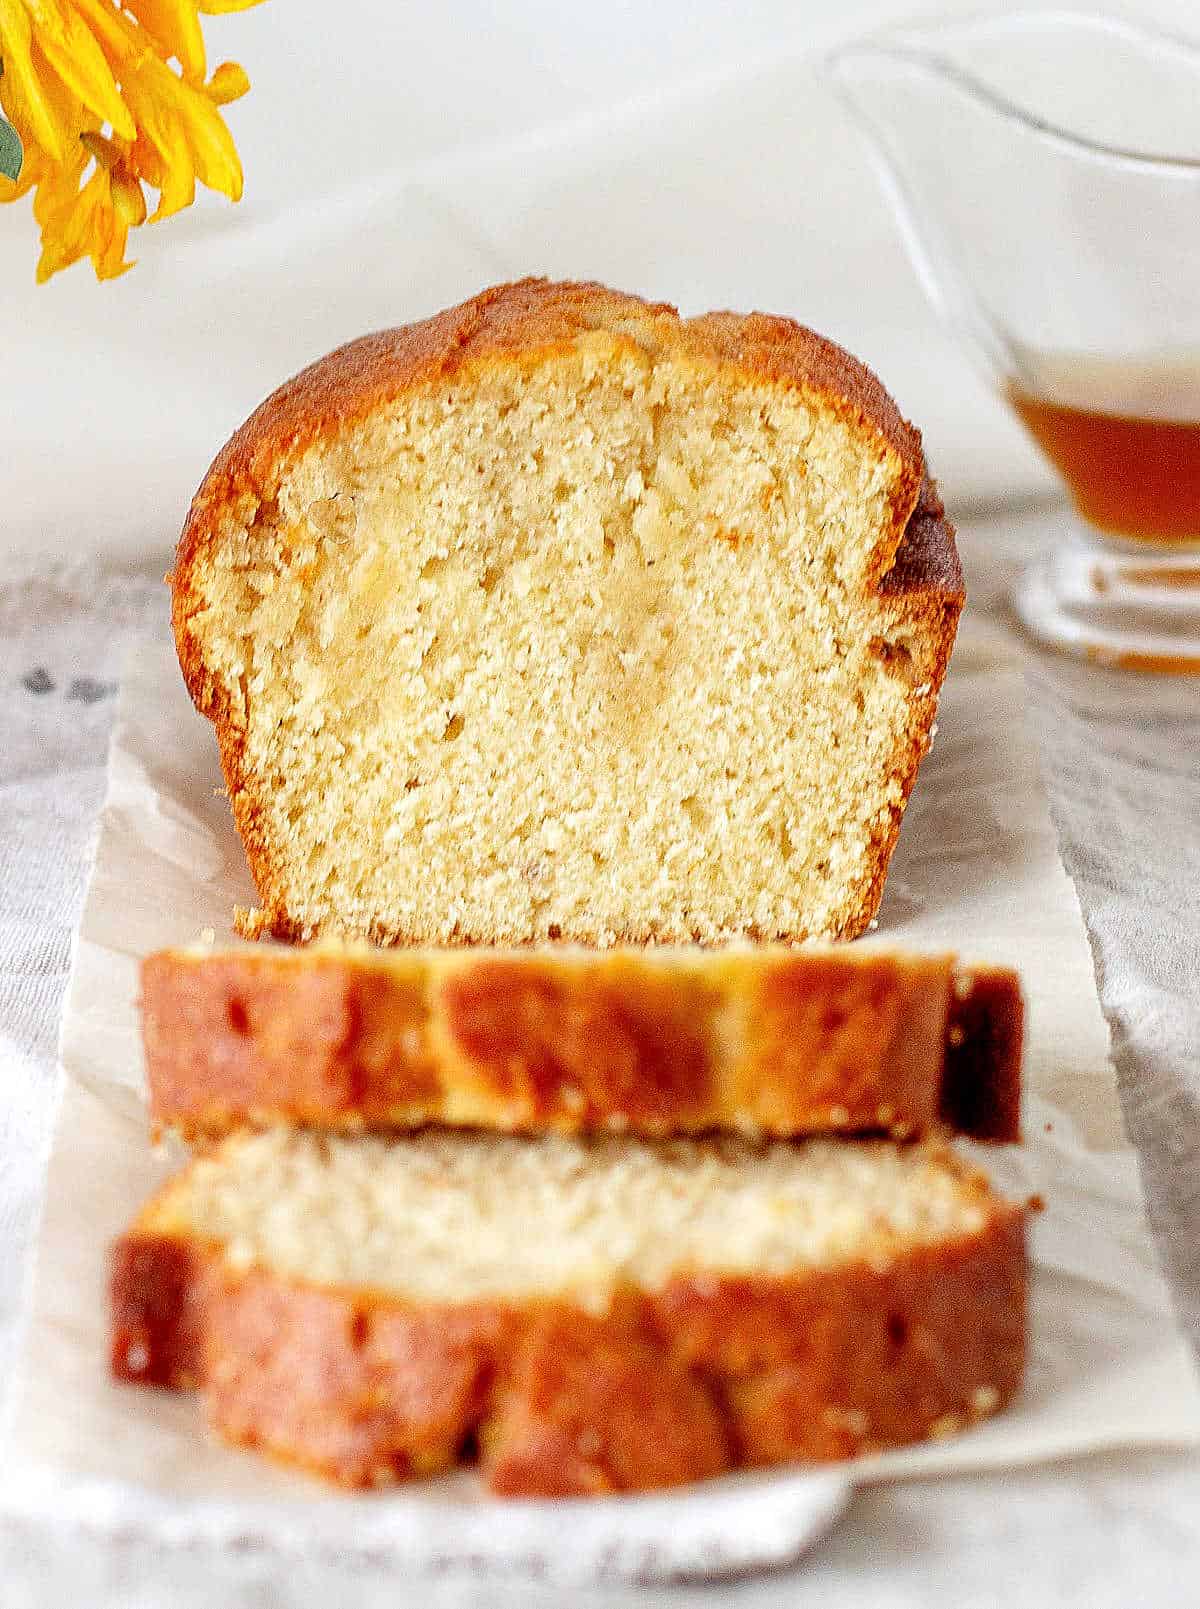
{"x":976,"y":870}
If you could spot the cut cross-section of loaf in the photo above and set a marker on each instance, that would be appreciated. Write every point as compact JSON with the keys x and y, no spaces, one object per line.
{"x":558,"y":616}
{"x":590,"y":1316}
{"x":762,"y":1040}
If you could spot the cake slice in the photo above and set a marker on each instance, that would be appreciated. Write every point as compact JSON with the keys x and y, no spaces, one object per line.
{"x":763,"y":1040}
{"x":559,"y":616}
{"x":586,"y":1316}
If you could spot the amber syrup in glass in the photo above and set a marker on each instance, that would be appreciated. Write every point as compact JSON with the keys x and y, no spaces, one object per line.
{"x":1124,"y":436}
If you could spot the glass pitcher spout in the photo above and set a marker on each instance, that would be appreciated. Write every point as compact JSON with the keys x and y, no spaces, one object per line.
{"x":1043,"y":70}
{"x":1043,"y":168}
{"x":998,"y":135}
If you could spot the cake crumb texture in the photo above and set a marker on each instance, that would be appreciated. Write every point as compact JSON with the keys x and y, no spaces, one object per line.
{"x":559,"y":617}
{"x":583,"y":1316}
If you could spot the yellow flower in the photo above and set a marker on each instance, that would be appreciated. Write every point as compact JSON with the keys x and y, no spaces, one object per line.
{"x":89,"y":87}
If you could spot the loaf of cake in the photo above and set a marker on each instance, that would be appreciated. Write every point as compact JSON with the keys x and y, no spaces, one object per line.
{"x":769,"y":1039}
{"x":584,"y":1316}
{"x":559,"y":616}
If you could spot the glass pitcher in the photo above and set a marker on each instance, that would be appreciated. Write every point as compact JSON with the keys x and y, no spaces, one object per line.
{"x":1044,"y":168}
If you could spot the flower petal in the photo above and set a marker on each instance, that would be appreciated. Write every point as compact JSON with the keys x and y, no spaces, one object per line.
{"x":211,"y":144}
{"x":57,"y":195}
{"x":121,"y":40}
{"x":213,"y":155}
{"x":67,"y":224}
{"x":160,"y":123}
{"x":228,"y":83}
{"x":74,"y":55}
{"x":145,"y":162}
{"x":175,"y":27}
{"x":179,"y":180}
{"x":109,"y":235}
{"x":24,"y":98}
{"x":128,"y":199}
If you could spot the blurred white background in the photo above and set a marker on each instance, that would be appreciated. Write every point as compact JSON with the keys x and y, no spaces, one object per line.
{"x":400,"y":156}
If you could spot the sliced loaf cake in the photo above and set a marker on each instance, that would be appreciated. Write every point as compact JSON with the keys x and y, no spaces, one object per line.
{"x":558,"y":616}
{"x":587,"y":1317}
{"x":761,"y":1040}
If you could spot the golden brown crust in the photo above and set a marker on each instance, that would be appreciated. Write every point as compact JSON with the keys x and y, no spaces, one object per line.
{"x":916,"y":564}
{"x":784,"y":1042}
{"x":981,"y":1083}
{"x":925,"y":586}
{"x":708,"y":1374}
{"x":927,"y":559}
{"x":515,"y":321}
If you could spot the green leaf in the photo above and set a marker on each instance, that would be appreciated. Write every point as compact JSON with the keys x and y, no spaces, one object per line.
{"x":10,"y":150}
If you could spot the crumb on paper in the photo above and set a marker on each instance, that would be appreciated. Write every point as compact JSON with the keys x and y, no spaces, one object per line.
{"x":137,"y":1357}
{"x":985,"y":1399}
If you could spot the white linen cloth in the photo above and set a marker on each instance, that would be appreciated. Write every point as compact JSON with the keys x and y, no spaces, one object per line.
{"x":399,"y":157}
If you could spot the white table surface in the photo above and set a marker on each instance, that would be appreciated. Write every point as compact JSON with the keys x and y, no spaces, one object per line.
{"x":681,"y":150}
{"x":400,"y":157}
